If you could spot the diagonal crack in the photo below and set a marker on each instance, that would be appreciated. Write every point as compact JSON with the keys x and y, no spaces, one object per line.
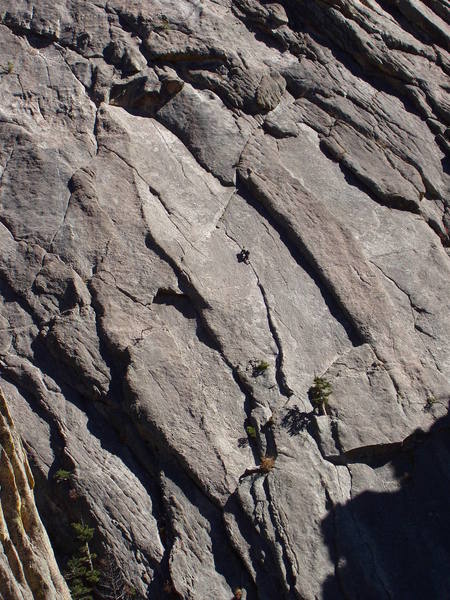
{"x":280,"y":376}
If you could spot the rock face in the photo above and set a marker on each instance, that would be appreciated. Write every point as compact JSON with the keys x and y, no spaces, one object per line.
{"x":27,"y":564}
{"x":204,"y":205}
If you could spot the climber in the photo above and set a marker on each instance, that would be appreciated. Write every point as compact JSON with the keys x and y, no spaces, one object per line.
{"x":243,"y":256}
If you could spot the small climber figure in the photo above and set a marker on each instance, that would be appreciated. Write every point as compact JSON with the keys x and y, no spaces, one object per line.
{"x":243,"y":256}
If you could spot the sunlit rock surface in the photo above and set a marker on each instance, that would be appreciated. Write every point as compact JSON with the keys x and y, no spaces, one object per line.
{"x":204,"y":205}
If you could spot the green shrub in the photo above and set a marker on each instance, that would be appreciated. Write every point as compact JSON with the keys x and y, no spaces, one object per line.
{"x":251,"y":431}
{"x":431,"y":400}
{"x":260,"y":368}
{"x":84,"y":533}
{"x":62,"y":475}
{"x":319,"y":393}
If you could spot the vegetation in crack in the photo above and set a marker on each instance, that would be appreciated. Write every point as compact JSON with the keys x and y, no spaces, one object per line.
{"x":62,"y":475}
{"x":260,"y":367}
{"x":319,"y":394}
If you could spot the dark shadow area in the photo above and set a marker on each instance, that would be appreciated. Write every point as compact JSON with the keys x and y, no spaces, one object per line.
{"x":184,"y":284}
{"x":264,"y":30}
{"x":36,"y":40}
{"x":395,"y":544}
{"x":375,"y":456}
{"x":444,"y":144}
{"x":439,"y":8}
{"x":302,"y":261}
{"x":179,"y":301}
{"x":9,"y":296}
{"x":296,"y":421}
{"x":141,"y":98}
{"x":40,"y":41}
{"x":412,"y":24}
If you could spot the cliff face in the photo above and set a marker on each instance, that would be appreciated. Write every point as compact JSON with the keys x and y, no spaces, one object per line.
{"x":204,"y":205}
{"x":27,"y":564}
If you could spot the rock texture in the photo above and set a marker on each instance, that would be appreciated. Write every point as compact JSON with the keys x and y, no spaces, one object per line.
{"x":27,"y":564}
{"x":203,"y":206}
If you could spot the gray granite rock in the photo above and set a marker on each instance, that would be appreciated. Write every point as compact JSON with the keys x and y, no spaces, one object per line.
{"x":204,"y":207}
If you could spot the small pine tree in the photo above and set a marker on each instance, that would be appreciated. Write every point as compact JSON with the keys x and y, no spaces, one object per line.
{"x":319,"y":394}
{"x":80,"y":574}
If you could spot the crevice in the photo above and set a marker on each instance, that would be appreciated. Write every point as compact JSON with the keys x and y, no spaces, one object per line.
{"x":226,"y":563}
{"x":169,"y":213}
{"x":178,"y":133}
{"x":205,"y":334}
{"x":346,"y":49}
{"x":374,"y":456}
{"x":416,"y":27}
{"x":369,"y":185}
{"x":26,"y":385}
{"x":63,"y":220}
{"x":154,"y":193}
{"x":8,"y":292}
{"x":289,"y":579}
{"x":280,"y":376}
{"x":304,"y":263}
{"x":413,"y":306}
{"x":261,"y":554}
{"x":140,"y":102}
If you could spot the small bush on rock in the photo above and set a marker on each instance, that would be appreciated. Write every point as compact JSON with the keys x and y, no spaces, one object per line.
{"x":260,"y":368}
{"x":251,"y":431}
{"x":430,"y":402}
{"x":62,"y":475}
{"x":319,"y":393}
{"x":267,"y":464}
{"x":7,"y":69}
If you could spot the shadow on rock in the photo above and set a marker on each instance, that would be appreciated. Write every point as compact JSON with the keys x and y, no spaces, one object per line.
{"x":296,"y":421}
{"x":395,"y":544}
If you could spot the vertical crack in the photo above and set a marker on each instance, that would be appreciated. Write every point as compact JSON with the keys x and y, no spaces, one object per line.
{"x":280,"y":375}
